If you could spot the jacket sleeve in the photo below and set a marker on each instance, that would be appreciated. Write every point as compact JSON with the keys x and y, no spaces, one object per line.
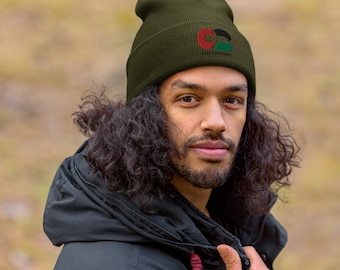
{"x":109,"y":255}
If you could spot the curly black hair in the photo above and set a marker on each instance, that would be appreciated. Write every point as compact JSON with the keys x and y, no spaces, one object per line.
{"x":129,"y":146}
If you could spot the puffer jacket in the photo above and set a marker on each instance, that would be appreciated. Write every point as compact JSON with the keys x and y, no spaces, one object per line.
{"x":103,"y":230}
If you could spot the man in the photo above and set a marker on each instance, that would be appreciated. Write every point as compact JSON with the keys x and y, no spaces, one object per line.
{"x":184,"y":174}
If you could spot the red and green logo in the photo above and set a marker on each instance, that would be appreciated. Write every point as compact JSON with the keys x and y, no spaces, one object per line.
{"x":214,"y":39}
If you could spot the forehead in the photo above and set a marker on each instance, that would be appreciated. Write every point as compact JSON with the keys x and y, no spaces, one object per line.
{"x":205,"y":78}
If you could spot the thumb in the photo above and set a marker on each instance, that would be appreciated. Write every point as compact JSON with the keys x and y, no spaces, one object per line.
{"x":230,"y":257}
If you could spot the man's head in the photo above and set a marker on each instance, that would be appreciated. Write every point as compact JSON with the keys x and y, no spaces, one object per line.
{"x":181,"y":34}
{"x":190,"y":47}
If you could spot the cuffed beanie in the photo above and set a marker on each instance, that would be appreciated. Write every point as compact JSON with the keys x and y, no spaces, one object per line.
{"x":180,"y":34}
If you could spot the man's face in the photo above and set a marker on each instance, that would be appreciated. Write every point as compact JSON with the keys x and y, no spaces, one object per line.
{"x":206,"y":107}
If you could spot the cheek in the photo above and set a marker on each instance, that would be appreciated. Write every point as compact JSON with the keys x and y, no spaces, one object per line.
{"x":235,"y":129}
{"x":181,"y":123}
{"x":178,"y":130}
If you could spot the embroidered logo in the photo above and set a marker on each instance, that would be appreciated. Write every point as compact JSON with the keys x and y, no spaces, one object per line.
{"x":214,"y":39}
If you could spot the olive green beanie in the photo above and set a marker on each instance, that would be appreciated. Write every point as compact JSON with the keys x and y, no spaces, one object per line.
{"x":179,"y":34}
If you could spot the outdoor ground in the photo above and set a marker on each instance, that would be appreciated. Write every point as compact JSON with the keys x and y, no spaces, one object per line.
{"x":51,"y":52}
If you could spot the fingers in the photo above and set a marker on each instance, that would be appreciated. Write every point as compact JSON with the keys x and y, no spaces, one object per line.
{"x":230,"y":257}
{"x":255,"y":260}
{"x":232,"y":260}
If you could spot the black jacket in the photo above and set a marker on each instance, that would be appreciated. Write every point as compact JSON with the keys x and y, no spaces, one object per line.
{"x":108,"y":231}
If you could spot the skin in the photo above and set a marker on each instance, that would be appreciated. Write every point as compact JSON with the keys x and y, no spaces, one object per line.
{"x":206,"y":107}
{"x":232,"y":260}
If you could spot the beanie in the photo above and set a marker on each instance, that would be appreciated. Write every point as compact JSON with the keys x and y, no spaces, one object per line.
{"x":180,"y":34}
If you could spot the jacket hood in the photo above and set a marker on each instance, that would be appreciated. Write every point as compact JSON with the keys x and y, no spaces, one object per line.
{"x":80,"y":208}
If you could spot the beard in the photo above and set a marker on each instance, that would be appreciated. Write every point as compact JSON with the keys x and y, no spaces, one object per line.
{"x":209,"y":177}
{"x":204,"y":178}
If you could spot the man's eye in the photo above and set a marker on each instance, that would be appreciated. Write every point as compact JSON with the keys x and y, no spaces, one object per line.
{"x":232,"y":100}
{"x":188,"y":99}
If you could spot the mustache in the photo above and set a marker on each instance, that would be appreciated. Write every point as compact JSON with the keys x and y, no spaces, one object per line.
{"x":210,"y":136}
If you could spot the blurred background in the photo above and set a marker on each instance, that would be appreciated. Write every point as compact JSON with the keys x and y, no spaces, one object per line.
{"x":52,"y":52}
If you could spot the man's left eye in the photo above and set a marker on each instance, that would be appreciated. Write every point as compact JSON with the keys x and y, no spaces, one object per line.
{"x":232,"y":100}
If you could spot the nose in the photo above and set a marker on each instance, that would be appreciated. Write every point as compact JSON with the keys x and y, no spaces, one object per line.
{"x":213,"y":119}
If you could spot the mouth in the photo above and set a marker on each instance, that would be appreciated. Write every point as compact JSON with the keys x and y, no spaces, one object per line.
{"x":211,"y":149}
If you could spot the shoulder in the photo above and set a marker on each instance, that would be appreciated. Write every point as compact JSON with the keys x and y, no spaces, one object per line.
{"x":112,"y":255}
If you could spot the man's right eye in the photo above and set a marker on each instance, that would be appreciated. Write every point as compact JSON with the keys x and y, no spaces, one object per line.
{"x":188,"y":99}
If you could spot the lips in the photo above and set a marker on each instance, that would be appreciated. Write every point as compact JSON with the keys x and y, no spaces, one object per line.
{"x":211,"y":149}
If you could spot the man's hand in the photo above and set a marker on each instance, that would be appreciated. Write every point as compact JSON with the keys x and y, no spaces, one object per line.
{"x":232,"y":259}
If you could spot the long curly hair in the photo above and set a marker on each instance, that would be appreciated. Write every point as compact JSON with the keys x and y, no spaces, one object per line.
{"x":129,"y":146}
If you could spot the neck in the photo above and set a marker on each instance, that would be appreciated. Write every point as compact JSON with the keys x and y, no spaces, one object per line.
{"x":199,"y":197}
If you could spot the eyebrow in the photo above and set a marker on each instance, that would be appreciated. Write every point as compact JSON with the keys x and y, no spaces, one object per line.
{"x":188,"y":85}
